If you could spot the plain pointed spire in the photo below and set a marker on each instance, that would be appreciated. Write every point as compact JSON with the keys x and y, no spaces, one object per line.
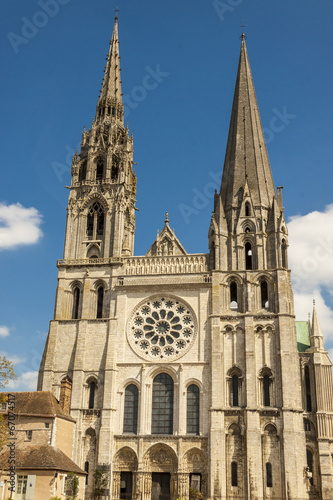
{"x":111,"y":85}
{"x":246,"y":154}
{"x":317,"y":338}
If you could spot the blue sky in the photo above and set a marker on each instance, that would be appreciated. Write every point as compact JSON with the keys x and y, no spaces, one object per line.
{"x":53,"y":53}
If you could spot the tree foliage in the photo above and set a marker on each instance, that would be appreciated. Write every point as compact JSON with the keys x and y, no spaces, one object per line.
{"x":100,"y":482}
{"x":72,"y":486}
{"x":6,"y":374}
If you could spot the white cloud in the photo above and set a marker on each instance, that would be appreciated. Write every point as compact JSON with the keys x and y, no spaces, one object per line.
{"x":311,"y":263}
{"x":4,"y":331}
{"x":19,"y":225}
{"x":25,"y":382}
{"x":14,"y":358}
{"x":311,"y":249}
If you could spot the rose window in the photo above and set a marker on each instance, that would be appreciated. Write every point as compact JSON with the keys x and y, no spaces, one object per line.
{"x":162,"y":328}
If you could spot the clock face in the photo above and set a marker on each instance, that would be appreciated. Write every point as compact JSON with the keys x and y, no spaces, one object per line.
{"x":162,"y":328}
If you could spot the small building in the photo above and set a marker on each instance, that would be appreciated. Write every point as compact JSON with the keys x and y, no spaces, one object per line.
{"x":42,"y":448}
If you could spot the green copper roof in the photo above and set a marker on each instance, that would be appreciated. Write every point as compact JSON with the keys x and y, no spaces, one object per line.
{"x":303,"y":335}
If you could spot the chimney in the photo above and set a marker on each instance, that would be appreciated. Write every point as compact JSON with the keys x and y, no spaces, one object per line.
{"x":65,"y":394}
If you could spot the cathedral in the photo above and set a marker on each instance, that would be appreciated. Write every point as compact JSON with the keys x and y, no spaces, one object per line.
{"x":186,"y":374}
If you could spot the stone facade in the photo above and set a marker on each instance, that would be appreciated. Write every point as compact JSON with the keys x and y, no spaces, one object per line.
{"x":184,"y":368}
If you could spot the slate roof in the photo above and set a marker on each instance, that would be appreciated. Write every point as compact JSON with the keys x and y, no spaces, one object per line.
{"x":41,"y":457}
{"x":38,"y":403}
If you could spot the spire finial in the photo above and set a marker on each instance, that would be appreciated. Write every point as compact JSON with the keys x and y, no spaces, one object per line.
{"x":243,"y":26}
{"x":116,"y":11}
{"x":166,"y":220}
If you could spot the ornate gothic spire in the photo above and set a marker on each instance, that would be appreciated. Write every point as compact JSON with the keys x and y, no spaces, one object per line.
{"x":110,"y":95}
{"x":246,"y":155}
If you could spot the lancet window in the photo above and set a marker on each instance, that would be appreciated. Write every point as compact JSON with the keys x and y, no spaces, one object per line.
{"x":162,"y":411}
{"x":248,"y":256}
{"x":76,"y":303}
{"x":95,"y":221}
{"x":193,"y":404}
{"x":131,"y":409}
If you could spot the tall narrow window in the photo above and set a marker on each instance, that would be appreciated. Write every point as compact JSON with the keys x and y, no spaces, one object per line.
{"x":234,"y":478}
{"x":247,"y":209}
{"x":307,"y":389}
{"x":193,"y":400}
{"x":99,"y":169}
{"x":284,"y":253}
{"x":86,"y":469}
{"x":235,"y":385}
{"x":266,"y":383}
{"x":95,"y":221}
{"x":92,"y":389}
{"x":248,"y":256}
{"x":162,"y":411}
{"x":131,"y":409}
{"x":309,"y":461}
{"x":233,"y":295}
{"x":115,"y":167}
{"x":100,"y":300}
{"x":76,"y":303}
{"x":83,"y":171}
{"x":212,"y":255}
{"x":264,"y":295}
{"x":269,"y":479}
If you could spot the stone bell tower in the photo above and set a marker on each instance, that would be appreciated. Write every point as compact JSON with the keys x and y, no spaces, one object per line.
{"x":101,"y":212}
{"x":254,"y":363}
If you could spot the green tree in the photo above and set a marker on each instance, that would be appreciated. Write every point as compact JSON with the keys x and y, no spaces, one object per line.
{"x":6,"y":374}
{"x":72,"y":486}
{"x":100,"y":482}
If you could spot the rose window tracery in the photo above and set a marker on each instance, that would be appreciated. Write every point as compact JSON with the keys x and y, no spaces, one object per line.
{"x":162,"y":328}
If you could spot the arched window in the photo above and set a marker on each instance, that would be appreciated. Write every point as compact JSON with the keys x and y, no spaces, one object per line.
{"x":193,"y":403}
{"x":212,"y":255}
{"x":131,"y":409}
{"x":99,"y":169}
{"x":115,"y":167}
{"x":76,"y":303}
{"x":307,"y":389}
{"x":92,"y":390}
{"x":284,"y":253}
{"x":100,"y":300}
{"x":235,"y":389}
{"x":83,"y":171}
{"x":247,"y":209}
{"x":86,"y":469}
{"x":269,"y":479}
{"x":264,"y":294}
{"x":162,"y":411}
{"x":266,"y":384}
{"x":309,"y":461}
{"x":234,"y":478}
{"x":95,"y":221}
{"x":248,"y":256}
{"x":233,"y":295}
